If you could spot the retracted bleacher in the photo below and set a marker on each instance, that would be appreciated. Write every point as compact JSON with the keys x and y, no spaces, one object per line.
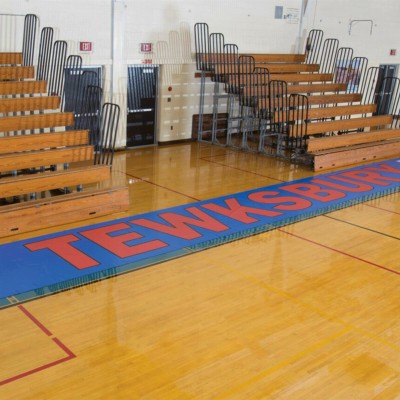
{"x":48,"y":170}
{"x":325,"y":107}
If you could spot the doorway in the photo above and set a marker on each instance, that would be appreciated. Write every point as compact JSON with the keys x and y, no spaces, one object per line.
{"x":385,"y":96}
{"x":142,"y":105}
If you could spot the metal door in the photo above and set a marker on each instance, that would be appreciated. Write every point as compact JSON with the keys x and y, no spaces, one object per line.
{"x":387,"y":87}
{"x":142,"y":104}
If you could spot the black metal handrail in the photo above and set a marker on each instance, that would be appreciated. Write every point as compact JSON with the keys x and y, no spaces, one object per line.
{"x":45,"y":50}
{"x":313,"y":46}
{"x":202,"y":43}
{"x":29,"y":39}
{"x":109,"y":120}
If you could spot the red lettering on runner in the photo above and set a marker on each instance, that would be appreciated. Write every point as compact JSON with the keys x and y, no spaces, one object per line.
{"x":355,"y":186}
{"x":179,"y":224}
{"x":239,"y":212}
{"x":117,"y":244}
{"x":314,"y":192}
{"x":370,"y":177}
{"x":384,"y":168}
{"x":285,"y":202}
{"x":62,"y":247}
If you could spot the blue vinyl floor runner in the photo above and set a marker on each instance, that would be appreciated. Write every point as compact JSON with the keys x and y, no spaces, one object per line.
{"x":43,"y":265}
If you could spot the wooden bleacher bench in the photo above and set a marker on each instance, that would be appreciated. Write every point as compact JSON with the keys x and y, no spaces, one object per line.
{"x":58,"y":210}
{"x":49,"y":180}
{"x":260,"y":91}
{"x":22,"y":87}
{"x":12,"y":105}
{"x":214,"y":58}
{"x":315,"y":145}
{"x":39,"y":155}
{"x":335,"y":111}
{"x":317,"y":88}
{"x":16,"y":72}
{"x":276,"y":57}
{"x":274,"y":68}
{"x":348,"y":155}
{"x":276,"y":63}
{"x":304,"y":77}
{"x":315,"y":128}
{"x":10,"y":58}
{"x":47,"y":157}
{"x":323,"y":99}
{"x":41,"y":141}
{"x":257,"y":78}
{"x":36,"y":121}
{"x":338,"y":98}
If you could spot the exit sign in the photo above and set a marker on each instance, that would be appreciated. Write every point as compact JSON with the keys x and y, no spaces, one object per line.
{"x":86,"y":46}
{"x":146,"y":47}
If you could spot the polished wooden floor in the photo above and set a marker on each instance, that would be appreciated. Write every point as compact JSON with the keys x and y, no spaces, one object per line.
{"x":310,"y":311}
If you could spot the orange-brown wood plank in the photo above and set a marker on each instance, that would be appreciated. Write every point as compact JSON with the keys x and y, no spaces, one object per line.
{"x":31,"y":159}
{"x":17,"y":72}
{"x":22,"y":87}
{"x":276,"y":57}
{"x":10,"y":58}
{"x":354,"y":155}
{"x":258,"y":79}
{"x":330,"y":142}
{"x":287,"y":77}
{"x":38,"y":141}
{"x":328,"y":112}
{"x":352,"y":123}
{"x":316,"y":88}
{"x":43,"y":181}
{"x":258,"y":57}
{"x":323,"y":99}
{"x":297,"y":89}
{"x":337,"y":98}
{"x":37,"y":121}
{"x":62,"y":209}
{"x":302,"y":77}
{"x":9,"y":105}
{"x":272,"y":67}
{"x":352,"y":109}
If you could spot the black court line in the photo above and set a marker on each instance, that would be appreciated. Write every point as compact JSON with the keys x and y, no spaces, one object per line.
{"x":362,"y":227}
{"x":383,"y":209}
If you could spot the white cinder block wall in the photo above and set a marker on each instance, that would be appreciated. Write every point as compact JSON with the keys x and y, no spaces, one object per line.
{"x":117,"y":27}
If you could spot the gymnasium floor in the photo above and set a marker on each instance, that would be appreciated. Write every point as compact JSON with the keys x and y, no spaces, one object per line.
{"x":307,"y":311}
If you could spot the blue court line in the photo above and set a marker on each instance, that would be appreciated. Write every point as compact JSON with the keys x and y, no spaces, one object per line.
{"x":52,"y":263}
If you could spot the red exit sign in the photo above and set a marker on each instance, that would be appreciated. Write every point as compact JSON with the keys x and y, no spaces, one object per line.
{"x":146,"y":47}
{"x":86,"y":46}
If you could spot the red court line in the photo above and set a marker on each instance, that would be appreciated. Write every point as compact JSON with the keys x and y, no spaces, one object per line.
{"x":163,"y":187}
{"x":341,"y":252}
{"x":70,"y":354}
{"x":35,"y":320}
